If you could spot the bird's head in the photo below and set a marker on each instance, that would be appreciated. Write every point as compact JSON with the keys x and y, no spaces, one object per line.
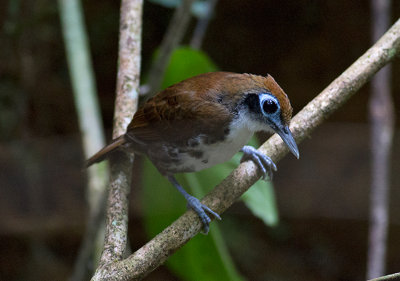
{"x":267,"y":108}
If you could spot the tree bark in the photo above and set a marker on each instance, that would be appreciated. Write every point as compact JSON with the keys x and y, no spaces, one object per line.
{"x":382,"y":126}
{"x":125,"y":106}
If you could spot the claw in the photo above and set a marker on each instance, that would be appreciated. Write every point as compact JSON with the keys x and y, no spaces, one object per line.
{"x":201,"y":210}
{"x":196,"y":206}
{"x":266,"y":165}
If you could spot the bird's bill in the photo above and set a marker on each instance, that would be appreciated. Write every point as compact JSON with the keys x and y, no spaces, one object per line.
{"x":287,"y":137}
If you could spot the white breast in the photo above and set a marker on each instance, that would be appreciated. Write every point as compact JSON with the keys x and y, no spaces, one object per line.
{"x":220,"y":152}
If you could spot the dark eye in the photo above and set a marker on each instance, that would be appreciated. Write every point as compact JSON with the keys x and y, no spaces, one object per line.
{"x":270,"y":106}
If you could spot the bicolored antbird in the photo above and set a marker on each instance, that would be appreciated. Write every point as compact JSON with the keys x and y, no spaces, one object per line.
{"x":203,"y":121}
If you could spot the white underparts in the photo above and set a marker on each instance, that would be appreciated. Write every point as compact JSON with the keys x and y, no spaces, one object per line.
{"x":240,"y":132}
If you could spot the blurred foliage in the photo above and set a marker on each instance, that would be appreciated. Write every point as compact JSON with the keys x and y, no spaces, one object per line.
{"x":163,"y":204}
{"x":184,"y":63}
{"x":205,"y":257}
{"x":260,"y":198}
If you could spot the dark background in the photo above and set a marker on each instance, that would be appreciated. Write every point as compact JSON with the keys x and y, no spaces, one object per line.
{"x":322,"y":198}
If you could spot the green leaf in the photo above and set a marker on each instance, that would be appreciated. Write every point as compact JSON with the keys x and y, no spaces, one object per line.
{"x":205,"y":257}
{"x":186,"y":62}
{"x":260,"y":199}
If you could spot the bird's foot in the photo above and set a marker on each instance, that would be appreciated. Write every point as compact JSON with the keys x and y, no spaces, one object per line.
{"x":266,"y":165}
{"x":201,"y":210}
{"x":196,"y":205}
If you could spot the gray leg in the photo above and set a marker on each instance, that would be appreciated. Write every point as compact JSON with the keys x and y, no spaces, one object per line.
{"x":196,"y":205}
{"x":262,"y":161}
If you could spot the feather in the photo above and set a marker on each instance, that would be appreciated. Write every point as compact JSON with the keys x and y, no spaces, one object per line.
{"x":105,"y":151}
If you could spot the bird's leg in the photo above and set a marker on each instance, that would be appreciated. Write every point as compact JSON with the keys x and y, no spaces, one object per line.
{"x":265,"y":163}
{"x":196,"y":205}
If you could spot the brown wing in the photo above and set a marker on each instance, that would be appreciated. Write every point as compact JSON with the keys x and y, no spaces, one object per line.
{"x":183,"y":111}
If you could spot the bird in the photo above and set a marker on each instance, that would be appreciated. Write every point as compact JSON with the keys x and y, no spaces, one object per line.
{"x":203,"y":121}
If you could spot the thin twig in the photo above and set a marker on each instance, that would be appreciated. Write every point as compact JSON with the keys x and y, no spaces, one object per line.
{"x":172,"y":38}
{"x":82,"y":76}
{"x":202,"y":25}
{"x":382,"y":126}
{"x":125,"y":106}
{"x":87,"y":105}
{"x":156,"y":251}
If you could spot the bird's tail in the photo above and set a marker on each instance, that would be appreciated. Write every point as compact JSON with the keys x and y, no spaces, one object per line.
{"x":105,"y":151}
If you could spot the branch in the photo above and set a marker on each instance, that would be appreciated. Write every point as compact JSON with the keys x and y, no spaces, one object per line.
{"x":129,"y":64}
{"x":202,"y":25}
{"x":87,"y":106}
{"x":381,"y":111}
{"x":125,"y":106}
{"x":172,"y":38}
{"x":391,"y":277}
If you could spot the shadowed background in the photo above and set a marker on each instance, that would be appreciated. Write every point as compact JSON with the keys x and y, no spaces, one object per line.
{"x":322,"y":198}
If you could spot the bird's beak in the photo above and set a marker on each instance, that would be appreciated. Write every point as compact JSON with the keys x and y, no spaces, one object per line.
{"x":287,"y":137}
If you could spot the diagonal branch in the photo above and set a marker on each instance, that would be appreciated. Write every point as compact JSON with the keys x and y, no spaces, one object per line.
{"x":202,"y":25}
{"x":390,"y":277}
{"x":156,"y":251}
{"x":172,"y":38}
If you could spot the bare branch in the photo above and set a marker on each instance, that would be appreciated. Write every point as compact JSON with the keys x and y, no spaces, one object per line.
{"x":87,"y":106}
{"x":382,"y":126}
{"x":125,"y":106}
{"x":156,"y":251}
{"x":391,"y":277}
{"x":172,"y":38}
{"x":129,"y":64}
{"x":202,"y":25}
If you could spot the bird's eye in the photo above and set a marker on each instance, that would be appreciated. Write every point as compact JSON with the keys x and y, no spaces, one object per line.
{"x":270,"y":106}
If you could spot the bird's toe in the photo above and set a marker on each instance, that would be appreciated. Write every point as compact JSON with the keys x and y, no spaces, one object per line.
{"x":201,"y":210}
{"x":266,"y":165}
